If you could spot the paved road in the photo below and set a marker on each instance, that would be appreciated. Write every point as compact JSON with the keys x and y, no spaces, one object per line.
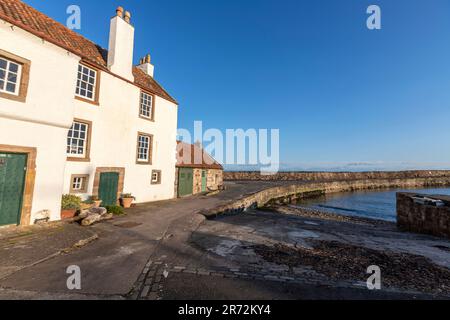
{"x":149,"y":254}
{"x":111,"y":265}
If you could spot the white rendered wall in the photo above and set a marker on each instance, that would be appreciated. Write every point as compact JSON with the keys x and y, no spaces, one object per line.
{"x":50,"y":162}
{"x":43,"y":122}
{"x":46,"y":115}
{"x":115,"y":126}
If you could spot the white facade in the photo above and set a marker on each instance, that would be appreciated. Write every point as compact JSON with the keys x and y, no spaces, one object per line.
{"x":115,"y":126}
{"x":44,"y":119}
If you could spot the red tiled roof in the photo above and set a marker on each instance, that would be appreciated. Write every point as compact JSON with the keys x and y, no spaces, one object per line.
{"x":193,"y":159}
{"x":26,"y":17}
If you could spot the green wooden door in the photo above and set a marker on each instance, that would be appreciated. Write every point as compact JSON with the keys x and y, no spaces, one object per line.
{"x":109,"y":184}
{"x":204,"y":181}
{"x":185,"y":182}
{"x":12,"y":184}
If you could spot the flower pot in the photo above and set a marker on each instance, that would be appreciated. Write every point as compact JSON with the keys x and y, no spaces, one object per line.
{"x":68,"y":214}
{"x":126,"y":202}
{"x":97,"y":203}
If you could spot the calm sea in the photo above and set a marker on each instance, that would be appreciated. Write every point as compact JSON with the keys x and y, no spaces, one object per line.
{"x":370,"y":204}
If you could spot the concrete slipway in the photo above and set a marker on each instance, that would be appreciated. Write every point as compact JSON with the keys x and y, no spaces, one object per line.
{"x":168,"y":250}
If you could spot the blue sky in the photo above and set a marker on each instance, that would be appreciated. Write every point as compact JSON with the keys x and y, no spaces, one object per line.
{"x":338,"y":92}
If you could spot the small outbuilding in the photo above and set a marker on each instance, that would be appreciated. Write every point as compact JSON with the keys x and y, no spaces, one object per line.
{"x":196,"y":171}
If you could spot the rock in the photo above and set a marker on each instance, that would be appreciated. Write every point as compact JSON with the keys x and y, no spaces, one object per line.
{"x":77,"y":219}
{"x":85,"y":242}
{"x":43,"y":215}
{"x":90,"y":216}
{"x":91,"y":219}
{"x":100,"y":211}
{"x":107,"y":216}
{"x":84,"y":213}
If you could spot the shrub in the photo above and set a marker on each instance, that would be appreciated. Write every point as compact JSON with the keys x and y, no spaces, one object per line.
{"x":91,"y":200}
{"x":70,"y":202}
{"x":128,"y":196}
{"x":115,"y":210}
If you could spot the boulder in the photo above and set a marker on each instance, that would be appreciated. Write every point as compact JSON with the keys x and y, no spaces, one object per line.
{"x":91,"y":219}
{"x":90,"y":216}
{"x":107,"y":216}
{"x":84,"y":213}
{"x":100,"y":211}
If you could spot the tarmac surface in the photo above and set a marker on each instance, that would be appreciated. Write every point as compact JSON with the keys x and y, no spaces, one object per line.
{"x":167,"y":250}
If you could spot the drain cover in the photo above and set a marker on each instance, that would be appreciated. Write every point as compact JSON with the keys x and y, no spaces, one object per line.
{"x":128,"y":225}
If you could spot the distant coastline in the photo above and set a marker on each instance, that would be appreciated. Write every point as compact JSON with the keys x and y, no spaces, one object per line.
{"x":334,"y":176}
{"x":346,"y":167}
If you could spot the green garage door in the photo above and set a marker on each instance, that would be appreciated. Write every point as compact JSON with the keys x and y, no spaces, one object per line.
{"x":185,"y":182}
{"x":108,"y":188}
{"x":12,"y":184}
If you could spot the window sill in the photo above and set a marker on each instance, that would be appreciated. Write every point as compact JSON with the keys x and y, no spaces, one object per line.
{"x":73,"y":159}
{"x":147,"y":119}
{"x":9,"y":96}
{"x":144,"y":163}
{"x":79,"y":192}
{"x":94,"y":102}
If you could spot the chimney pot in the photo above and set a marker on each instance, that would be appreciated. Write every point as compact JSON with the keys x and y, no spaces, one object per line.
{"x":127,"y":16}
{"x":146,"y":65}
{"x":119,"y":12}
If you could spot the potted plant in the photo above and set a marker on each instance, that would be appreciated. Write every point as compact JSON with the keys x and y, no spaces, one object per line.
{"x":70,"y":204}
{"x":127,"y":200}
{"x":96,"y":201}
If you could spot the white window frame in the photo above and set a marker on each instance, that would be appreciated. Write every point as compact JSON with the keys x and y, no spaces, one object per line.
{"x":145,"y":97}
{"x":80,"y":81}
{"x":86,"y":137}
{"x":8,"y":73}
{"x":141,"y":148}
{"x":158,"y":174}
{"x":78,"y":183}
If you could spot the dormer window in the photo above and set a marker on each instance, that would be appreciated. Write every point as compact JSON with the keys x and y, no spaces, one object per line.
{"x":146,"y":109}
{"x":87,"y":84}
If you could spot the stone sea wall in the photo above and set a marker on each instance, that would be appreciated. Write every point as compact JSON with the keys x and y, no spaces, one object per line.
{"x":288,"y":193}
{"x":333,"y":176}
{"x":417,"y":217}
